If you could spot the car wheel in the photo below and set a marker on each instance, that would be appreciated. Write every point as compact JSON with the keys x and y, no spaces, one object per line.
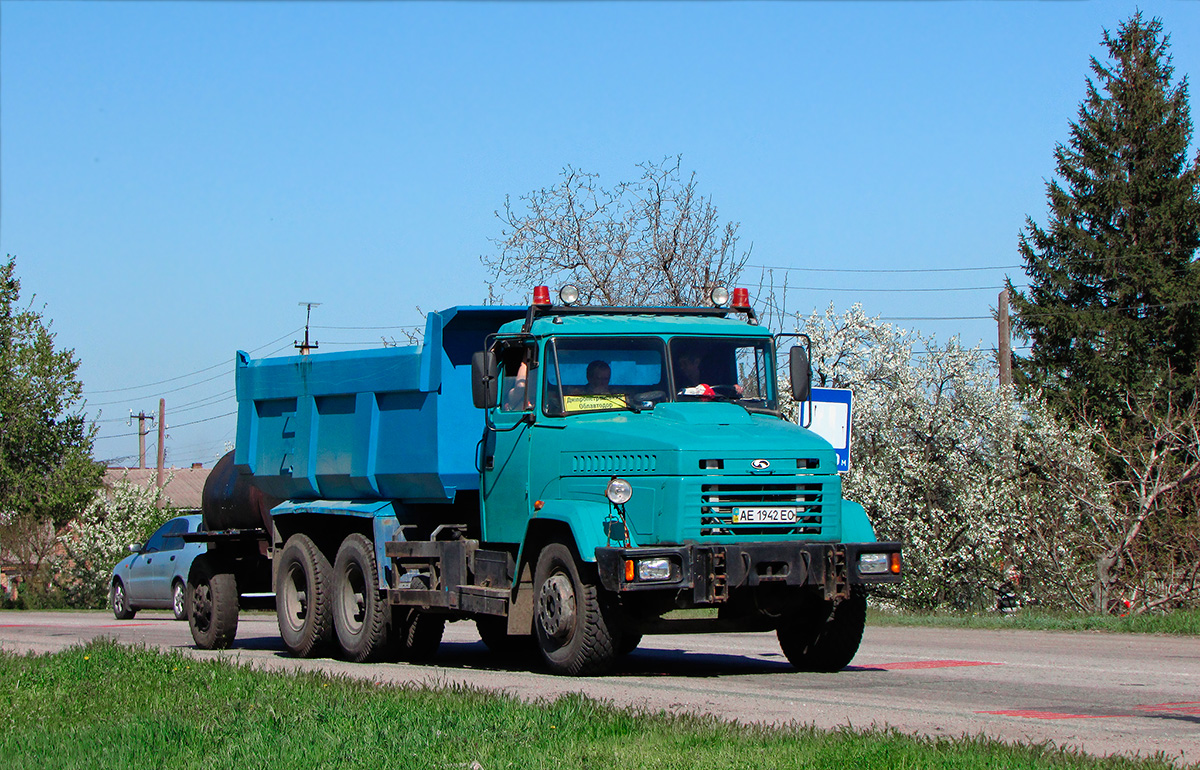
{"x":119,"y":600}
{"x":361,"y":613}
{"x":179,"y":600}
{"x":303,"y":602}
{"x":212,"y":606}
{"x":572,"y":624}
{"x":822,"y":637}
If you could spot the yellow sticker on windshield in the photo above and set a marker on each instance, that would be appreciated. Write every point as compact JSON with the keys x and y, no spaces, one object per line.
{"x":594,"y":403}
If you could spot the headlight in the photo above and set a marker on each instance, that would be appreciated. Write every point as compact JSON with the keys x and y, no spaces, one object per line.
{"x":654,"y":569}
{"x":872,"y":563}
{"x":619,"y":491}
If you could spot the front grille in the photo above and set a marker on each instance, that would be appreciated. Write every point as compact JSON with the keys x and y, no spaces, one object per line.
{"x":718,"y":501}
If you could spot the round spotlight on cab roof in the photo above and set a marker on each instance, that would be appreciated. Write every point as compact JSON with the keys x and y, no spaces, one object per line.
{"x":719,"y":296}
{"x":569,"y":294}
{"x":619,"y":491}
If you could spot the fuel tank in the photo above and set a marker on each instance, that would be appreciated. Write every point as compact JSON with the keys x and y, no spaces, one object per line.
{"x":231,"y":501}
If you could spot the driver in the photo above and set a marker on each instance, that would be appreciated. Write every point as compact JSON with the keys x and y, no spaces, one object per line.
{"x":599,"y":373}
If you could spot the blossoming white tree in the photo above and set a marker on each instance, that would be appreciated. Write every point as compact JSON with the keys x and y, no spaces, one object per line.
{"x":980,"y":486}
{"x":98,"y":538}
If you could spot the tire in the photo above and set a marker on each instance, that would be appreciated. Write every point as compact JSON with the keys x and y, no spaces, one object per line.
{"x":572,"y":625}
{"x":212,"y":606}
{"x":303,"y":597}
{"x":629,"y":643}
{"x":179,"y":600}
{"x":417,"y":634}
{"x":118,"y":599}
{"x":361,"y":613}
{"x":493,"y":630}
{"x":817,"y":639}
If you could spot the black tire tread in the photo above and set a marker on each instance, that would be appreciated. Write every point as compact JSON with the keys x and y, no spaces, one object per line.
{"x":597,"y":643}
{"x":316,"y":636}
{"x":372,"y":643}
{"x":223,"y":596}
{"x":825,"y":644}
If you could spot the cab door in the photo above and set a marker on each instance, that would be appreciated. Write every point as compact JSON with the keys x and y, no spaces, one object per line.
{"x":505,"y":495}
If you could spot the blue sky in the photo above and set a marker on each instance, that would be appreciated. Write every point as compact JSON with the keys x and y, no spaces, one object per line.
{"x":176,"y":177}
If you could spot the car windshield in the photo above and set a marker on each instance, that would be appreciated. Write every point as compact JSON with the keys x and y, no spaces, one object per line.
{"x":723,"y":369}
{"x":593,"y":374}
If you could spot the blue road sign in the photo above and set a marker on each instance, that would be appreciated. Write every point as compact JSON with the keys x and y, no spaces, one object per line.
{"x":832,"y":410}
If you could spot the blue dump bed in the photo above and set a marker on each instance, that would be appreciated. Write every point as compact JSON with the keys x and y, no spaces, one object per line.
{"x":392,"y":423}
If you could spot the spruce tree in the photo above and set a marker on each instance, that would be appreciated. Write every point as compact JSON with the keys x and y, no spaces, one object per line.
{"x":1112,"y":304}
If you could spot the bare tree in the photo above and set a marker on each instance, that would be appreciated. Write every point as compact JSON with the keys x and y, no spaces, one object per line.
{"x":654,"y":241}
{"x":1148,"y":550}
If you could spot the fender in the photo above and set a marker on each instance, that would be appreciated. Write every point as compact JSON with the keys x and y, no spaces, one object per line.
{"x":856,"y":526}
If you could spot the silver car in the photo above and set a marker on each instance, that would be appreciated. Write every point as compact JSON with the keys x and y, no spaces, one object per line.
{"x":155,"y":574}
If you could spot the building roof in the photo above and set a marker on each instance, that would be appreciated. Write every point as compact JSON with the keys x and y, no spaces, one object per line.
{"x":184,"y":489}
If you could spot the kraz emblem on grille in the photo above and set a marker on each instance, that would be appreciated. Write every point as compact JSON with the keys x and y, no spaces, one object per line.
{"x":760,"y":465}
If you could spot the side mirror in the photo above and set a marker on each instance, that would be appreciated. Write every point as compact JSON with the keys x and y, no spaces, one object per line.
{"x":801,"y":373}
{"x":483,"y":380}
{"x":134,"y":548}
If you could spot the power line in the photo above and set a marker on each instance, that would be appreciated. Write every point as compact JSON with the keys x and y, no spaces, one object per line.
{"x":189,"y":374}
{"x":884,"y":270}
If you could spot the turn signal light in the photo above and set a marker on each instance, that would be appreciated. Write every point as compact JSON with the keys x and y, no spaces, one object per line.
{"x":541,"y":296}
{"x":894,"y":563}
{"x":629,"y":573}
{"x":741,"y":298}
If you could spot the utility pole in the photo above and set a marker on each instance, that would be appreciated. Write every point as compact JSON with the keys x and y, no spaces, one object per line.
{"x":305,"y":347}
{"x":141,"y":418}
{"x":1004,"y":354}
{"x":162,"y":445}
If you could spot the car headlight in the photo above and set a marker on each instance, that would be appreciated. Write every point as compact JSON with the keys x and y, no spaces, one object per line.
{"x":619,"y":491}
{"x":654,"y":569}
{"x":872,"y":563}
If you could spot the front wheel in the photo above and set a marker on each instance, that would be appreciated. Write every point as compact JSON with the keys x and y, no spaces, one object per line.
{"x":119,"y":600}
{"x":572,"y":624}
{"x":820,"y":638}
{"x":212,"y":598}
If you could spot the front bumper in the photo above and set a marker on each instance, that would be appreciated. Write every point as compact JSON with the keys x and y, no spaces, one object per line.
{"x":709,"y":572}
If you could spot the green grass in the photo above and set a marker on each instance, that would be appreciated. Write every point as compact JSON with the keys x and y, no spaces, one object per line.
{"x":108,"y":706}
{"x":1177,"y":622}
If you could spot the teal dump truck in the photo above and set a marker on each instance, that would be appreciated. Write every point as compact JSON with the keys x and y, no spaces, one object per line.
{"x":568,"y":477}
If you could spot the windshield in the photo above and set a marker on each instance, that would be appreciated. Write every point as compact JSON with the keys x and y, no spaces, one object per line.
{"x":723,"y":369}
{"x":591,"y":374}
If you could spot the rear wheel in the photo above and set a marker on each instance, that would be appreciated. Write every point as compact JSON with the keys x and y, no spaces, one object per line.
{"x":821,"y":638}
{"x":303,"y":583}
{"x":212,"y":606}
{"x":571,"y":622}
{"x":493,"y":630}
{"x":119,"y":601}
{"x":360,"y":611}
{"x":179,"y":600}
{"x":417,"y":634}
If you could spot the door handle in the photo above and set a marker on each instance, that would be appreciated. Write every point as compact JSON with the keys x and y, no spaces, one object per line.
{"x":172,"y":558}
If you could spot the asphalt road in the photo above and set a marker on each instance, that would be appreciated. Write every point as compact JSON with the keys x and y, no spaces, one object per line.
{"x":1103,"y":693}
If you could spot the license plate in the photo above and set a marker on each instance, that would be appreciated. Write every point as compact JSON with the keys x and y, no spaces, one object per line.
{"x":764,"y":515}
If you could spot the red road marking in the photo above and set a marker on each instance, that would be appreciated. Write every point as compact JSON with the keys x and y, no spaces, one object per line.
{"x":59,"y":625}
{"x":913,"y":664}
{"x":1035,"y":714}
{"x":1187,"y":707}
